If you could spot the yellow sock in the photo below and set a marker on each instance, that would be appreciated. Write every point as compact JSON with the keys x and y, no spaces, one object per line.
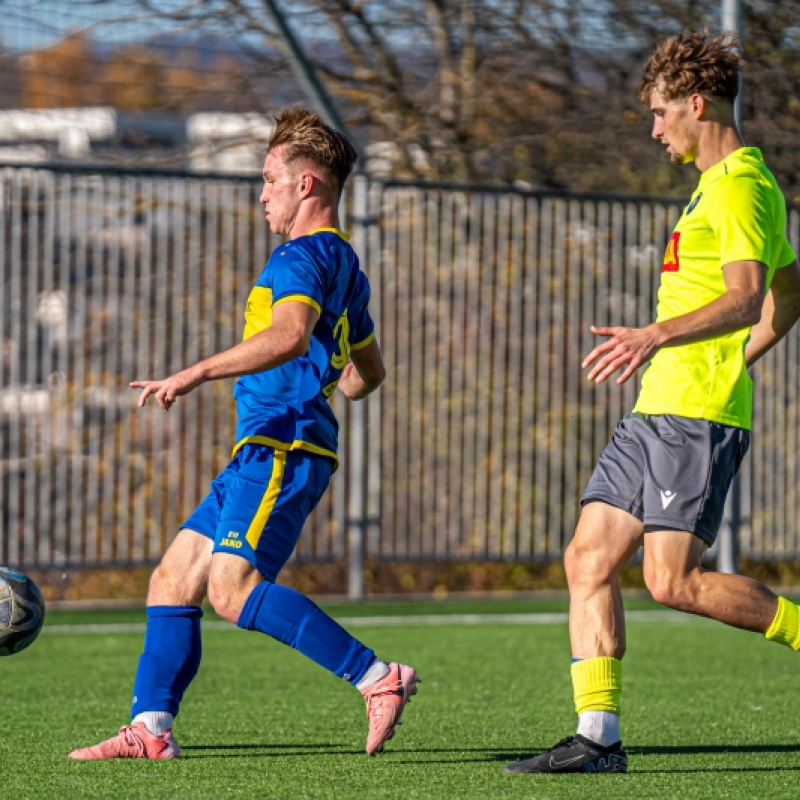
{"x":785,"y":628}
{"x":597,"y":684}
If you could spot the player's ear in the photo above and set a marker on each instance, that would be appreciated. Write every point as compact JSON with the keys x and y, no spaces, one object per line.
{"x":306,"y":184}
{"x":699,"y":105}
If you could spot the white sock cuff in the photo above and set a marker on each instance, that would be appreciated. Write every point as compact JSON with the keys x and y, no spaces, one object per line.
{"x":601,"y":727}
{"x":157,"y":722}
{"x":377,"y":669}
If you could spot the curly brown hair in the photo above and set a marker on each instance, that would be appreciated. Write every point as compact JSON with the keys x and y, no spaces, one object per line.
{"x":308,"y":138}
{"x":693,"y":62}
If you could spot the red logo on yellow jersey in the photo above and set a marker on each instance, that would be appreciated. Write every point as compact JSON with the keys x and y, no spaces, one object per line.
{"x":672,"y":260}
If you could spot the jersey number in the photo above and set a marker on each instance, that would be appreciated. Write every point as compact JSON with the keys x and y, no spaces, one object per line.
{"x":341,"y":334}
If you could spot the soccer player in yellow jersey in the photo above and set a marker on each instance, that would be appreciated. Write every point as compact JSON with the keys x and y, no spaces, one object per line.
{"x":730,"y":289}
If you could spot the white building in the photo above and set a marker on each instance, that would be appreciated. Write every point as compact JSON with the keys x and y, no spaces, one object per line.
{"x":31,"y":135}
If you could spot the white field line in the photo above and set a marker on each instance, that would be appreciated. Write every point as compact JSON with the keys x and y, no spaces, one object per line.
{"x":419,"y":621}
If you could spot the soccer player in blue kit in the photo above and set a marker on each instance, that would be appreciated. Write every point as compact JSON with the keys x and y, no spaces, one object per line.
{"x":307,"y":331}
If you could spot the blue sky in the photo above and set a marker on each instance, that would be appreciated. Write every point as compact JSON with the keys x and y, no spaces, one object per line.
{"x":30,"y":24}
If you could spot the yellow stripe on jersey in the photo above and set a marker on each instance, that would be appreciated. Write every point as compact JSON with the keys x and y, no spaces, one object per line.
{"x":269,"y":499}
{"x":297,"y":444}
{"x":300,"y":298}
{"x":258,"y":311}
{"x":359,"y":345}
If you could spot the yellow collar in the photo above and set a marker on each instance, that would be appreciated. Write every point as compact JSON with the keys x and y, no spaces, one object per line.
{"x":341,"y":234}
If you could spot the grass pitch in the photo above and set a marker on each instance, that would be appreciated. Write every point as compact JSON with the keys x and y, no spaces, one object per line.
{"x":708,"y":712}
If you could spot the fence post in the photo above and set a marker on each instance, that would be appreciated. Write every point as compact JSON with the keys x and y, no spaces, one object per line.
{"x":356,"y":522}
{"x":728,"y":544}
{"x":356,"y":505}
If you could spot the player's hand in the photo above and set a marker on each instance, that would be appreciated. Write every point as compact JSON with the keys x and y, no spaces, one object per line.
{"x":349,"y":374}
{"x":626,"y":349}
{"x":168,"y":390}
{"x":353,"y":385}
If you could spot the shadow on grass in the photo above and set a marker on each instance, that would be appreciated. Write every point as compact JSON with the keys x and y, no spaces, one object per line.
{"x":685,"y":750}
{"x":284,"y":750}
{"x":705,"y":749}
{"x":247,"y":750}
{"x":449,"y":755}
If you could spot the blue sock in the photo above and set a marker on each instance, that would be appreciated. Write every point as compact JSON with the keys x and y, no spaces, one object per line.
{"x":170,"y":659}
{"x":291,"y":618}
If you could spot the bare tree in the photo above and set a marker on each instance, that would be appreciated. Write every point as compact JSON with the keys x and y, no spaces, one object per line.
{"x":533,"y":92}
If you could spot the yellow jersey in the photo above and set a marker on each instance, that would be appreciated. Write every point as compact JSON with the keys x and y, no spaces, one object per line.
{"x":737,"y":213}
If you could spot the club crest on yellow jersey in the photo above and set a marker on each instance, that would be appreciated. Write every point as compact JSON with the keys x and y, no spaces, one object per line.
{"x":691,"y":207}
{"x":671,"y":258}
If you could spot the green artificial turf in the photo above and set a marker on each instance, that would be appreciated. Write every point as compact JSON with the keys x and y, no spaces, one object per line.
{"x":708,"y":712}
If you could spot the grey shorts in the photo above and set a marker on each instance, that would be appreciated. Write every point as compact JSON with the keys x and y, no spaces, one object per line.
{"x":669,"y":472}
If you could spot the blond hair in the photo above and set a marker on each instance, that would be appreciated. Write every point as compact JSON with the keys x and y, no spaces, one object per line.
{"x":691,"y":63}
{"x":308,"y":138}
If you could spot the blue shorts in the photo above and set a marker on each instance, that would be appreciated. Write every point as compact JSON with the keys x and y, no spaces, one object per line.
{"x":259,"y":503}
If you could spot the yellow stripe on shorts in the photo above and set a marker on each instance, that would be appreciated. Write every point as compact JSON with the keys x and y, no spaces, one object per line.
{"x":268,"y":500}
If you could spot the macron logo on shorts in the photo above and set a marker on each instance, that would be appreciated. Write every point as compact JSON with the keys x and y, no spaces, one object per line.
{"x":666,"y":498}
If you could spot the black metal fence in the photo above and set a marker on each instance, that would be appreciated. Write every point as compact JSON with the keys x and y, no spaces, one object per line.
{"x":477,"y":446}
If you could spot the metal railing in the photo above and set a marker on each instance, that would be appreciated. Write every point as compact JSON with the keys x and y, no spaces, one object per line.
{"x":477,"y":446}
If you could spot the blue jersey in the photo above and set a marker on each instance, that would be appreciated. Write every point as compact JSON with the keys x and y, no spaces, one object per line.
{"x":287,"y":407}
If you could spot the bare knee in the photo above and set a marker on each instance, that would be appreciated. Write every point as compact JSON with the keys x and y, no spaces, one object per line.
{"x":170,"y":586}
{"x":225,"y":599}
{"x":180,"y":579}
{"x":673,"y":591}
{"x":230,"y":582}
{"x":158,"y":585}
{"x":586,"y":567}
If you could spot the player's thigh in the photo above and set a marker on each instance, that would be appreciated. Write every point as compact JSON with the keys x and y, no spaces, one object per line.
{"x":182,"y":575}
{"x":691,"y":464}
{"x":267,"y":504}
{"x":610,"y":527}
{"x":605,"y":539}
{"x":618,"y":477}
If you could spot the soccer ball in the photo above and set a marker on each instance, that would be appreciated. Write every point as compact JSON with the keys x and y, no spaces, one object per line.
{"x":21,"y":611}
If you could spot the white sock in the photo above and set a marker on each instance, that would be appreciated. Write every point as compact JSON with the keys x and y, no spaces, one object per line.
{"x":601,"y":727}
{"x":157,"y":722}
{"x":377,"y":669}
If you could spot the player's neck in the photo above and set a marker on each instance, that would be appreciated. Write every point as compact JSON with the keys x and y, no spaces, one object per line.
{"x":716,"y":144}
{"x":312,"y":217}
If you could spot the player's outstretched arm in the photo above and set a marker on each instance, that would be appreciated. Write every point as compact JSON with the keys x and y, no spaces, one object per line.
{"x":287,"y":338}
{"x":780,"y":312}
{"x":628,"y":348}
{"x":364,"y":373}
{"x":167,"y":391}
